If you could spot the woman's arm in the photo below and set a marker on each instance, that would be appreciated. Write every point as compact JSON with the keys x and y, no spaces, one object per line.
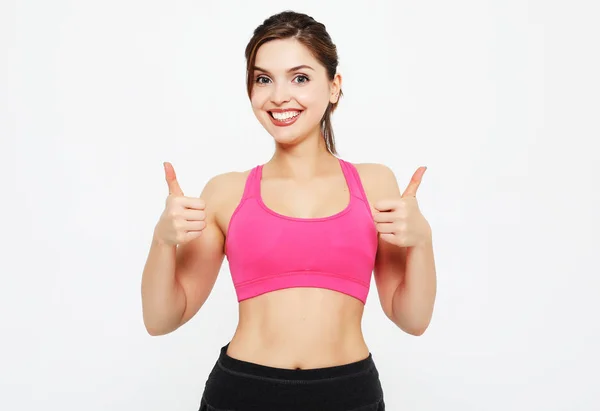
{"x":404,"y":272}
{"x":177,"y":280}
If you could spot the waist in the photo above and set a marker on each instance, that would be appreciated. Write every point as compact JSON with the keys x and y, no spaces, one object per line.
{"x":300,"y":328}
{"x":236,"y":384}
{"x":252,"y":369}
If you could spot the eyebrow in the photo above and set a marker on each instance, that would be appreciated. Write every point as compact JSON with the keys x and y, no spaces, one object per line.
{"x":302,"y":66}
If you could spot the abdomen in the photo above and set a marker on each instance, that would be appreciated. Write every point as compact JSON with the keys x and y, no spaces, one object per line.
{"x":300,"y":328}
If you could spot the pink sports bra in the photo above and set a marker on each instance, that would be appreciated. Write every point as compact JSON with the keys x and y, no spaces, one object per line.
{"x":268,"y":251}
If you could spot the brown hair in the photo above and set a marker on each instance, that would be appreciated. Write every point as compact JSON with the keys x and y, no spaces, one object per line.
{"x":310,"y":33}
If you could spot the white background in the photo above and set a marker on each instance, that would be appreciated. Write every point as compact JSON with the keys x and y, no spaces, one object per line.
{"x":500,"y":99}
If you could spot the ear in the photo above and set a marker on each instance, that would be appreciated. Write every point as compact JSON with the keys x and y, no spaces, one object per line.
{"x":336,"y":89}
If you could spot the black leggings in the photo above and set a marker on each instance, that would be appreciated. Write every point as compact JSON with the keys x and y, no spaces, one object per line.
{"x":235,"y":385}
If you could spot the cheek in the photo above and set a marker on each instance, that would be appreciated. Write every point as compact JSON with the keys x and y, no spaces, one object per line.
{"x":312,"y":98}
{"x":316,"y":108}
{"x":315,"y":103}
{"x":258,"y":102}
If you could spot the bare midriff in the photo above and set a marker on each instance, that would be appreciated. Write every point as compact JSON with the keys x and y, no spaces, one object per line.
{"x":300,"y":328}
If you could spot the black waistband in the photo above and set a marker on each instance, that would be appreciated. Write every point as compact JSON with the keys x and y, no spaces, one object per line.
{"x":250,"y":369}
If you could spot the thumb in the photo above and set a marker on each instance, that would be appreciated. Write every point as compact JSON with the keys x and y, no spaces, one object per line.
{"x":171,"y":178}
{"x":415,"y":182}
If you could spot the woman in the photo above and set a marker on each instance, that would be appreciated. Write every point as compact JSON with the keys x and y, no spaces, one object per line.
{"x":302,"y":233}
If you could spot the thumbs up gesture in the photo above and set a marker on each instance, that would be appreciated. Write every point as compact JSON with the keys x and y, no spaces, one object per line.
{"x":400,"y":221}
{"x":183,"y":218}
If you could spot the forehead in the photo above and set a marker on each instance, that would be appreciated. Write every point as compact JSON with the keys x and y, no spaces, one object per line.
{"x":280,"y":55}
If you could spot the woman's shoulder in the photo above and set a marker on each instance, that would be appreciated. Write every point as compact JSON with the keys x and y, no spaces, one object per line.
{"x":374,"y":174}
{"x":373,"y":170}
{"x":222,"y":193}
{"x":378,"y":180}
{"x":225,"y":185}
{"x":226,"y":189}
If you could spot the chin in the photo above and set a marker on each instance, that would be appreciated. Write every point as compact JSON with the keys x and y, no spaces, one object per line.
{"x":286,"y":140}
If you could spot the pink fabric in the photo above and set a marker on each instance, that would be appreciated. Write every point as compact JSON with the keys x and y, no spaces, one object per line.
{"x":267,"y":251}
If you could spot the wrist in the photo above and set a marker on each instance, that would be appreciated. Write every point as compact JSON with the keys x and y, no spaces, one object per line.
{"x":425,"y":241}
{"x":159,"y":242}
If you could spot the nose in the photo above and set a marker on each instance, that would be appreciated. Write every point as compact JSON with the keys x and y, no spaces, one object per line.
{"x":281,"y":94}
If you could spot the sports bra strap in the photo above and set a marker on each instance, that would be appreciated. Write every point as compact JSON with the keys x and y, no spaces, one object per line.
{"x":353,"y":179}
{"x":252,"y":186}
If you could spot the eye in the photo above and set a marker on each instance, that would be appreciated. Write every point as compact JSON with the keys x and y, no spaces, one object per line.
{"x":302,"y":76}
{"x":260,"y":79}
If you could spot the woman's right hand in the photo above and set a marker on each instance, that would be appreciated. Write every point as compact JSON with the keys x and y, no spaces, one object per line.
{"x":183,"y":218}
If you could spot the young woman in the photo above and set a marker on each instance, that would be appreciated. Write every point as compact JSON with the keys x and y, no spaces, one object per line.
{"x":303,"y":234}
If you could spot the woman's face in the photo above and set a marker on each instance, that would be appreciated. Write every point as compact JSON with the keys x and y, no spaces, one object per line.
{"x":291,"y":91}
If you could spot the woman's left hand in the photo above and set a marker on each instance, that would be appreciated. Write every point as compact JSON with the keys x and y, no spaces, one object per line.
{"x":400,"y":222}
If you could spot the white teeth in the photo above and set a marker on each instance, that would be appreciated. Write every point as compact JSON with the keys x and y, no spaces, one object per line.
{"x":285,"y":116}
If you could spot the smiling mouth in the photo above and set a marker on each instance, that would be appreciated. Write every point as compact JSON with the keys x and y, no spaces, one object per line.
{"x":285,"y":116}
